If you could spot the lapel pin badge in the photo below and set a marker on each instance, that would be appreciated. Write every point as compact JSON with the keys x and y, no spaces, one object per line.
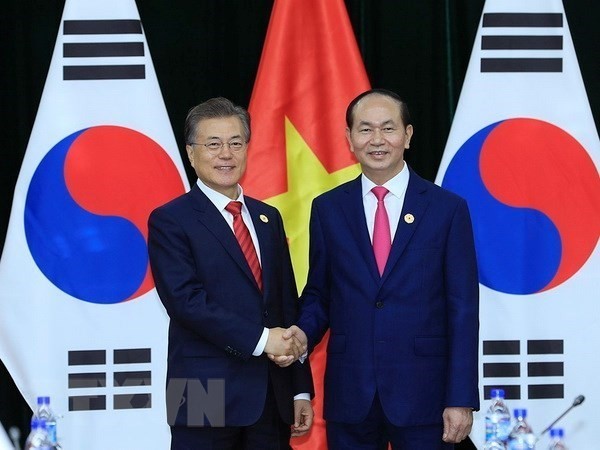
{"x":409,"y":218}
{"x":264,"y":218}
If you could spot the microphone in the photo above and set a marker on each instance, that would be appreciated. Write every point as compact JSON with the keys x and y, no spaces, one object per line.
{"x":578,"y":401}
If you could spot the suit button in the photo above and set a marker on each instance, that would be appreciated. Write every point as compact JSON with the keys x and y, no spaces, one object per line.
{"x":266,"y":313}
{"x":379,"y":304}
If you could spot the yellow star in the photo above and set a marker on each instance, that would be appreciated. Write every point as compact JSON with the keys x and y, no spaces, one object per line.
{"x":307,"y":178}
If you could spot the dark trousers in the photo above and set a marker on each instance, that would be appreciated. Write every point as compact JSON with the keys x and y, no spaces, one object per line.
{"x":376,"y":431}
{"x":268,"y":433}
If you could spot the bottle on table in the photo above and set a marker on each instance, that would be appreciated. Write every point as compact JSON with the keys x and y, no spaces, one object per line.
{"x":38,"y":437}
{"x":494,"y":443}
{"x":44,"y":411}
{"x":521,"y":437}
{"x":557,"y":435}
{"x":497,"y":418}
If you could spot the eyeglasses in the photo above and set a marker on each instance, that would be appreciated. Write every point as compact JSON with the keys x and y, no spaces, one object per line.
{"x":217,"y":146}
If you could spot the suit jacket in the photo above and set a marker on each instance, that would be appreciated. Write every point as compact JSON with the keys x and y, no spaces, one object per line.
{"x":410,"y":334}
{"x":217,"y":311}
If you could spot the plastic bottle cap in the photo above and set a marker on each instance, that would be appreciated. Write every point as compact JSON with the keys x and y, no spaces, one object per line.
{"x":522,"y":412}
{"x":497,"y":393}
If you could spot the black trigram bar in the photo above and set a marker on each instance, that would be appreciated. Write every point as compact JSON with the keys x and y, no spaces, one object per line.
{"x":501,"y":370}
{"x":501,"y":347}
{"x":511,"y":392}
{"x":541,"y":391}
{"x":138,"y":378}
{"x":535,"y":20}
{"x":87,"y":402}
{"x":132,"y":356}
{"x":103,"y":49}
{"x":521,"y":65}
{"x":87,"y":380}
{"x":521,"y":42}
{"x":545,"y":347}
{"x":120,"y":72}
{"x":124,"y":26}
{"x":132,"y":401}
{"x":86,"y":357}
{"x":545,"y":369}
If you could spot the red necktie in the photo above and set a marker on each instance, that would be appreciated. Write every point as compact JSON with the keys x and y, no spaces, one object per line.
{"x":245,"y":240}
{"x":382,"y":239}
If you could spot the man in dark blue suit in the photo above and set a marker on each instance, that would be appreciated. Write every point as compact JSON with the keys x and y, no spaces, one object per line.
{"x":393,"y":276}
{"x":222,"y":269}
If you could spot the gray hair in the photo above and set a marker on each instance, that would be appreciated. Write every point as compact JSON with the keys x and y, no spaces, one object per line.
{"x":214,"y":108}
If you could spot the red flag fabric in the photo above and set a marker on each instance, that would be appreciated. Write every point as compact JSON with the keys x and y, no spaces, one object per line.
{"x":309,"y":71}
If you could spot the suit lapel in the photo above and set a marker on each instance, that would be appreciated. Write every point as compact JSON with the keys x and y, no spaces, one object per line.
{"x":354,"y":212}
{"x":214,"y":222}
{"x":415,"y":203}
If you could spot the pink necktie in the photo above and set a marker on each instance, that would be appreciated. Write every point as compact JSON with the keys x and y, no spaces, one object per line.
{"x":382,"y":239}
{"x":243,"y":237}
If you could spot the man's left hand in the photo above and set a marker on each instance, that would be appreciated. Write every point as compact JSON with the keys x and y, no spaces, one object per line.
{"x":457,"y":424}
{"x":303,"y":417}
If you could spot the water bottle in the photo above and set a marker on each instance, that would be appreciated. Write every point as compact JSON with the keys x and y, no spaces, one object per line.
{"x":521,"y":436}
{"x":38,"y":438}
{"x":494,"y":443}
{"x":497,"y":417}
{"x":44,"y":412}
{"x":557,"y":435}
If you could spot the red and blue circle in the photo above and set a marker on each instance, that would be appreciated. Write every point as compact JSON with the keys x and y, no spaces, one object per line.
{"x":534,"y":196}
{"x":87,"y":208}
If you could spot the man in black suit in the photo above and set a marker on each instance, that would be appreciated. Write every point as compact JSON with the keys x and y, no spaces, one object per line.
{"x":222,"y":269}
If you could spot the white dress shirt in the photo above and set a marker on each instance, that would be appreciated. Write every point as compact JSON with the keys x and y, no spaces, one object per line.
{"x":394,"y":200}
{"x":221,"y":201}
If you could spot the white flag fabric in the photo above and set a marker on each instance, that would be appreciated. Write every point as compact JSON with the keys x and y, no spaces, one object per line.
{"x":5,"y":443}
{"x":524,"y":151}
{"x":80,"y":320}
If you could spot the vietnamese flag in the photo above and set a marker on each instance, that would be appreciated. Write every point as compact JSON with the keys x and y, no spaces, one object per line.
{"x":309,"y":71}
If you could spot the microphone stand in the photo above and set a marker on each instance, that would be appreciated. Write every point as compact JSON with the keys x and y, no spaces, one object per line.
{"x":578,"y":401}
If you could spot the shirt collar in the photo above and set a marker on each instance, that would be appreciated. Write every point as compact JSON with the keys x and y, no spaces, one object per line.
{"x":218,"y":199}
{"x":397,"y":185}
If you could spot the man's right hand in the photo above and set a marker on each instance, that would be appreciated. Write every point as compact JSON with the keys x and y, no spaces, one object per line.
{"x":278,"y":345}
{"x":297,"y":340}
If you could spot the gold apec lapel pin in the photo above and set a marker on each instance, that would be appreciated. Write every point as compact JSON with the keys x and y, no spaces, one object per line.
{"x":409,"y":218}
{"x":264,"y":218}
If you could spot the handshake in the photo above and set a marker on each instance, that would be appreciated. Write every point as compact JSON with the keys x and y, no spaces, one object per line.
{"x":284,"y":346}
